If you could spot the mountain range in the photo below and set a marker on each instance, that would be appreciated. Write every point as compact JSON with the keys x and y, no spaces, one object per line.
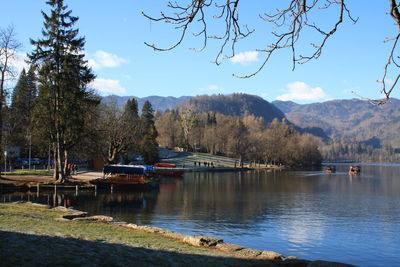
{"x":353,"y":119}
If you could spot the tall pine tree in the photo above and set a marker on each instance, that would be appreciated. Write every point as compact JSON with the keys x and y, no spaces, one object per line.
{"x":149,"y":147}
{"x":131,"y":123}
{"x":22,"y":105}
{"x":63,"y":77}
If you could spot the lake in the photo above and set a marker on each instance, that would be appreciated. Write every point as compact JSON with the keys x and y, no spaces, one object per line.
{"x":308,"y":214}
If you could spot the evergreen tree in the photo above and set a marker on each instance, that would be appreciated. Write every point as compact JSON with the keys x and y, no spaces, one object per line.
{"x":22,"y":105}
{"x":63,"y":77}
{"x":131,"y":124}
{"x":149,"y":146}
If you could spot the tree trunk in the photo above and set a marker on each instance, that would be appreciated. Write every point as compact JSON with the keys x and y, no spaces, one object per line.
{"x":61,"y":176}
{"x":1,"y":113}
{"x":56,"y":168}
{"x":65,"y":168}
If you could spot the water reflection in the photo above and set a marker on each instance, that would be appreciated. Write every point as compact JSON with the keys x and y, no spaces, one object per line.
{"x":310,"y":214}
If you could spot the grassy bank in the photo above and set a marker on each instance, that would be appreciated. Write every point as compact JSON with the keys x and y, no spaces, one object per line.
{"x":18,"y":172}
{"x":189,"y":159}
{"x":30,"y":235}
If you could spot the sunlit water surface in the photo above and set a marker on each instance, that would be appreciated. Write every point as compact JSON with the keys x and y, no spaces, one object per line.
{"x":308,"y":214}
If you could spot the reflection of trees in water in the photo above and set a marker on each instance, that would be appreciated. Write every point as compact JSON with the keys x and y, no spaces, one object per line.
{"x":47,"y":197}
{"x":210,"y":196}
{"x":134,"y":201}
{"x":124,"y":205}
{"x":236,"y":197}
{"x":120,"y":204}
{"x":258,"y":195}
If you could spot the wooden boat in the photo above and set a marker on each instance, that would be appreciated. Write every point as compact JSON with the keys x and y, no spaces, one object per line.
{"x":164,"y":165}
{"x":167,"y":169}
{"x":126,"y":176}
{"x":354,"y":169}
{"x":330,"y":169}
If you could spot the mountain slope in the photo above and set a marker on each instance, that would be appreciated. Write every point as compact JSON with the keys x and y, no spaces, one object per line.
{"x":350,"y":119}
{"x":234,"y":105}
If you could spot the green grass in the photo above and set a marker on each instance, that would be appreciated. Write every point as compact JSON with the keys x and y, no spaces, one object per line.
{"x":30,"y":236}
{"x":30,"y":172}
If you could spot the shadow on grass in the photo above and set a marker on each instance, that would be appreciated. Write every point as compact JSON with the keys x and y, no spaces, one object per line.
{"x":17,"y":249}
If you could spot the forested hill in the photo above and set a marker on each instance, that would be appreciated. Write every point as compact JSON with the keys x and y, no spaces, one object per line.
{"x":349,"y":119}
{"x":161,"y":103}
{"x":235,"y":105}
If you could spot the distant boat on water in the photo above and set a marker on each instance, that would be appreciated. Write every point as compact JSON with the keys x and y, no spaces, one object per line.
{"x":330,"y":169}
{"x":354,"y":169}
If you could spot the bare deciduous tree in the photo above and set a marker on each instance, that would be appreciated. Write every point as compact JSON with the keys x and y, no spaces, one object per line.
{"x":8,"y":52}
{"x":187,"y":119}
{"x":290,"y":23}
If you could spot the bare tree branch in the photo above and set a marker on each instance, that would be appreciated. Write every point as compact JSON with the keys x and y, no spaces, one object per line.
{"x":391,"y":64}
{"x":194,"y":12}
{"x":290,"y":22}
{"x":8,"y":51}
{"x":387,"y":91}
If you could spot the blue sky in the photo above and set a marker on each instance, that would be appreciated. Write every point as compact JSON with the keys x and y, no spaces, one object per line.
{"x":115,"y":33}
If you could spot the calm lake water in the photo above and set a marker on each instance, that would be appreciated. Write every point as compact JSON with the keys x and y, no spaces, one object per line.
{"x":309,"y":214}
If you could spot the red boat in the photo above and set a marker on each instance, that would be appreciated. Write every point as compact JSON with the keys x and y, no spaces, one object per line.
{"x":167,"y":169}
{"x":165,"y":165}
{"x":126,"y":176}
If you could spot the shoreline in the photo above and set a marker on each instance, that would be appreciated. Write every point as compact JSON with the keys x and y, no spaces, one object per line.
{"x":198,"y":243}
{"x":81,"y":180}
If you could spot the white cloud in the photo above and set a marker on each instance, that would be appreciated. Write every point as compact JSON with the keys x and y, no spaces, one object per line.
{"x":302,"y":91}
{"x":212,"y":88}
{"x":108,"y":86}
{"x":102,"y":59}
{"x":18,"y":62}
{"x":245,"y":58}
